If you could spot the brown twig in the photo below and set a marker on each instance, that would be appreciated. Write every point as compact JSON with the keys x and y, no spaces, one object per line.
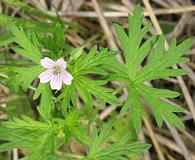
{"x":153,"y":138}
{"x":170,"y":144}
{"x":15,"y":154}
{"x":114,"y":14}
{"x":162,"y":3}
{"x":191,"y":73}
{"x":146,"y":152}
{"x":105,"y":26}
{"x":179,"y":27}
{"x":179,"y":141}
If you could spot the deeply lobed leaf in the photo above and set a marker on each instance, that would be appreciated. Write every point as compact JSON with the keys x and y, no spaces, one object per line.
{"x":158,"y":66}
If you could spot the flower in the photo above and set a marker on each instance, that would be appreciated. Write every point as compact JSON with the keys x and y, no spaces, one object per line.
{"x":55,"y":73}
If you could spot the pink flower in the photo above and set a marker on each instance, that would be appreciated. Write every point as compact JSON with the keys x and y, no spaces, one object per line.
{"x":55,"y":73}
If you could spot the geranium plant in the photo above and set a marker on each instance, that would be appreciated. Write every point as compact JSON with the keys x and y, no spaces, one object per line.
{"x":69,"y":82}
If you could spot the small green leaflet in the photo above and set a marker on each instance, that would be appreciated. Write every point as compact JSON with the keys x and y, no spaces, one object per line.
{"x":24,"y":76}
{"x":5,"y":40}
{"x":95,"y":88}
{"x":92,"y":62}
{"x":159,"y":66}
{"x":45,"y":147}
{"x":46,"y":106}
{"x":54,"y":43}
{"x":74,"y":128}
{"x":27,"y":123}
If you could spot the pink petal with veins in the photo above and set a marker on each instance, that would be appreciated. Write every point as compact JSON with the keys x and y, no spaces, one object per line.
{"x":62,"y":63}
{"x":67,"y":78}
{"x":48,"y":63}
{"x":56,"y":82}
{"x":46,"y":76}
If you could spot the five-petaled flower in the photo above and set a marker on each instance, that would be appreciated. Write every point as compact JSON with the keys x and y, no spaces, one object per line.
{"x":55,"y":73}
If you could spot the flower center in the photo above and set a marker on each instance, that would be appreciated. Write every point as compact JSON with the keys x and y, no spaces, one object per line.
{"x":57,"y":69}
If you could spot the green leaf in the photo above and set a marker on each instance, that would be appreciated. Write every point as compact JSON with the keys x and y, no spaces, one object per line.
{"x":130,"y":42}
{"x":27,"y":134}
{"x":85,"y":94}
{"x":155,"y":92}
{"x":54,"y":43}
{"x":98,"y":149}
{"x":46,"y":106}
{"x":28,"y":44}
{"x":68,"y":97}
{"x":99,"y":140}
{"x":27,"y":123}
{"x":137,"y":110}
{"x":153,"y":70}
{"x":16,"y":138}
{"x":76,"y":53}
{"x":5,"y":40}
{"x":45,"y":147}
{"x":157,"y":66}
{"x":82,"y":64}
{"x":25,"y":76}
{"x":74,"y":128}
{"x":95,"y":88}
{"x":164,"y":110}
{"x":91,"y":62}
{"x":119,"y":70}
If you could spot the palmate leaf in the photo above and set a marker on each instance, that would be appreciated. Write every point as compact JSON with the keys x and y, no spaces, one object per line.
{"x":92,"y":63}
{"x":117,"y":151}
{"x":131,"y":43}
{"x":30,"y":135}
{"x":153,"y":70}
{"x":88,"y":64}
{"x":28,"y":43}
{"x":158,"y":67}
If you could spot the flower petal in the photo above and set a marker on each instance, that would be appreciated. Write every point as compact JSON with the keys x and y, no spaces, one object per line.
{"x":47,"y":63}
{"x":46,"y":76}
{"x":56,"y":82}
{"x":62,"y":63}
{"x":66,"y":78}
